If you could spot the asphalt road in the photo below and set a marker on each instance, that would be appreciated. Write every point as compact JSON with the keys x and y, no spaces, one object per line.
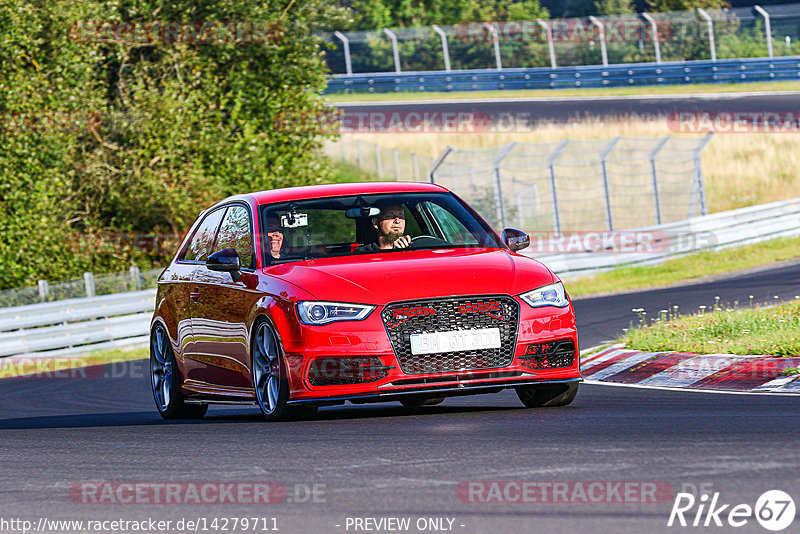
{"x":534,"y":110}
{"x":388,"y":461}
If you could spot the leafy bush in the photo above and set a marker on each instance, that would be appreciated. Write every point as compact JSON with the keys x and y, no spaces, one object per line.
{"x":162,"y":129}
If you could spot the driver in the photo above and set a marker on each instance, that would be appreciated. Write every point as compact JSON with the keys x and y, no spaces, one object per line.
{"x":390,"y":225}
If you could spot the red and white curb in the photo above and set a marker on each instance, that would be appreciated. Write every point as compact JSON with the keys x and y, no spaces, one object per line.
{"x":620,"y":365}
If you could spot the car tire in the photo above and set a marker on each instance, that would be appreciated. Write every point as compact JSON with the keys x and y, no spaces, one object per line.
{"x":166,"y":381}
{"x":270,"y":375}
{"x":413,"y":402}
{"x":547,"y":396}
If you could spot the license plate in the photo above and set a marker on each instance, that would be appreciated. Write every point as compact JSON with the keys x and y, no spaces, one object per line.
{"x":455,"y":340}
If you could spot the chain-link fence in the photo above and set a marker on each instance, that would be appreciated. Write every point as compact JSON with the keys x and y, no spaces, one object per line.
{"x":89,"y":286}
{"x":637,"y":38}
{"x":384,"y":163}
{"x":621,"y":183}
{"x":606,"y":184}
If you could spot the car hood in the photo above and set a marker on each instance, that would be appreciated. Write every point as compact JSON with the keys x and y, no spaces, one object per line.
{"x":405,"y":275}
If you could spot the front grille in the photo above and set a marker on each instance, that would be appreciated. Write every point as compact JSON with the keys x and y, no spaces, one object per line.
{"x":402,"y":319}
{"x":550,"y":355}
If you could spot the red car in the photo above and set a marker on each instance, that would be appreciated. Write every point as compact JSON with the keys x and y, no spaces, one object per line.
{"x":311,"y":296}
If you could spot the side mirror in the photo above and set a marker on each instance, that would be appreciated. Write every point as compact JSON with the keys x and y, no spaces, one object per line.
{"x":226,"y":261}
{"x":516,"y":239}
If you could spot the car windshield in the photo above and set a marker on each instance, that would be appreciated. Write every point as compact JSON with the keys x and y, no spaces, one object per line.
{"x":362,"y":224}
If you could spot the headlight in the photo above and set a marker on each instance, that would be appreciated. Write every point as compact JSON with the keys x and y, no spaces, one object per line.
{"x":550,"y":295}
{"x":314,"y":312}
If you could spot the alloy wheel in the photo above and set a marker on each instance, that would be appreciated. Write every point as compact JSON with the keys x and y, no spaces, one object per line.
{"x":161,"y":368}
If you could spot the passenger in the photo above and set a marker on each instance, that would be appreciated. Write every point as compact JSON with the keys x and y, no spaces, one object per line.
{"x":390,"y":225}
{"x":274,"y":238}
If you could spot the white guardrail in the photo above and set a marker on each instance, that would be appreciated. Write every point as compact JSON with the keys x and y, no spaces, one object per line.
{"x":76,"y":326}
{"x":583,"y":253}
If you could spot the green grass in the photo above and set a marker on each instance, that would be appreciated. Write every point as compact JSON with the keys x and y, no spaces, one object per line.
{"x":686,"y":268}
{"x":344,"y":172}
{"x":64,"y":363}
{"x":559,"y":93}
{"x":771,"y":331}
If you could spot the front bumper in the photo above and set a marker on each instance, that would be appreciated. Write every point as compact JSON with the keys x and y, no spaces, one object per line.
{"x":451,"y":389}
{"x":369,"y":339}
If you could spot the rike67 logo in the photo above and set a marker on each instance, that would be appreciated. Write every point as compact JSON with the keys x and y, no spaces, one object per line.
{"x":774,"y":510}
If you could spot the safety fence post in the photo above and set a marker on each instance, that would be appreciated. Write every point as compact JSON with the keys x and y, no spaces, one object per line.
{"x":550,"y":47}
{"x":602,"y":29}
{"x":654,"y":29}
{"x":44,"y":290}
{"x":445,"y":49}
{"x":767,"y":28}
{"x":437,"y":163}
{"x":496,"y":42}
{"x":698,"y":185}
{"x":395,"y":49}
{"x":498,"y":188}
{"x":396,"y":154}
{"x":606,"y":151}
{"x":654,"y":176}
{"x":88,"y":282}
{"x":710,"y":23}
{"x":551,"y":159}
{"x":346,"y":45}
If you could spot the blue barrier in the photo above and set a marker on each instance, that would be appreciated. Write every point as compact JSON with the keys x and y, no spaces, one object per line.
{"x":628,"y":74}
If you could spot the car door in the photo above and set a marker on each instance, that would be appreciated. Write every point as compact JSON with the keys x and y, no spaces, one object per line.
{"x":190,"y":260}
{"x":221,"y":310}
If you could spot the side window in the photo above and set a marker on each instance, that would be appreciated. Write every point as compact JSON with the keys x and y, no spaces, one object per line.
{"x":203,"y":240}
{"x":454,"y":231}
{"x":235,"y":232}
{"x":412,"y":226}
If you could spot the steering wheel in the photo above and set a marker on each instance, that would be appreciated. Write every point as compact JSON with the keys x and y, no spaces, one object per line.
{"x":424,"y":235}
{"x":426,"y":240}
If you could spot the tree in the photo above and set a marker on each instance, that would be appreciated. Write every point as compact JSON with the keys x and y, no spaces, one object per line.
{"x":376,"y":14}
{"x":167,"y":125}
{"x":681,"y":5}
{"x":614,"y":7}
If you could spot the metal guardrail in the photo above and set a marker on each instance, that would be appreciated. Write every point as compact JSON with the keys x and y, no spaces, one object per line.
{"x":74,"y":310}
{"x":627,"y":75}
{"x":89,"y":286}
{"x":716,"y":231}
{"x":72,"y":326}
{"x":76,"y":325}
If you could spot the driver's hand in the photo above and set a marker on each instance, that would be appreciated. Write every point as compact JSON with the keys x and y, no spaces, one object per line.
{"x":403,"y":241}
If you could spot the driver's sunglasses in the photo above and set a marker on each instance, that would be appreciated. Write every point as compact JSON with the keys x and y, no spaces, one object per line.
{"x":389,"y":217}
